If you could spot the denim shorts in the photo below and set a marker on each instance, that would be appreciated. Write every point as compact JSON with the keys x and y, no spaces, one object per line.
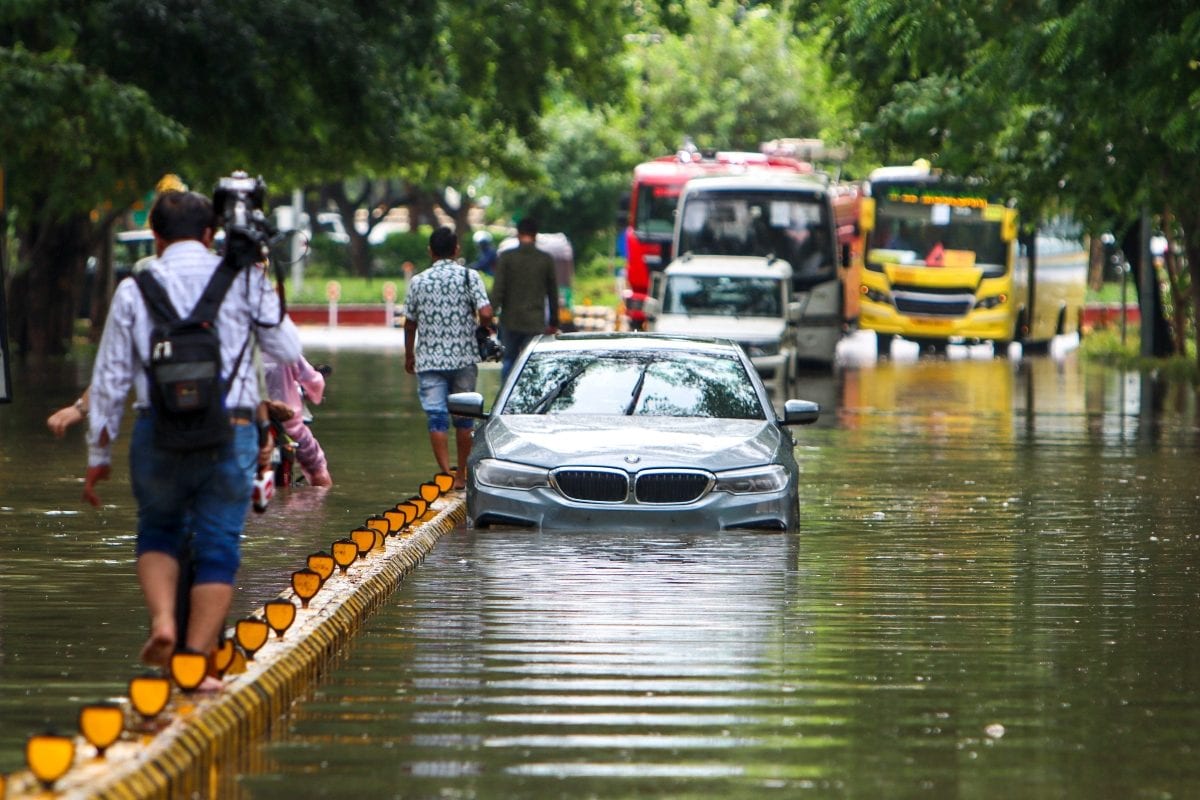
{"x":435,"y":385}
{"x":204,"y":494}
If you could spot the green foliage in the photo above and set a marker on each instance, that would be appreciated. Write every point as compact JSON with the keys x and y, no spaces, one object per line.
{"x":582,"y":172}
{"x":733,"y":79}
{"x":1105,"y":347}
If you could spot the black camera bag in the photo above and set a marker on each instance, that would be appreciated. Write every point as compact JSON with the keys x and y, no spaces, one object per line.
{"x":184,"y":372}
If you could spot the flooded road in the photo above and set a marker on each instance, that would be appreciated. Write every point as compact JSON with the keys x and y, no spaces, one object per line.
{"x":993,"y":594}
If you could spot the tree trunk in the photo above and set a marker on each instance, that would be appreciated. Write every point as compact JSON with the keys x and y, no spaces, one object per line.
{"x":49,"y":292}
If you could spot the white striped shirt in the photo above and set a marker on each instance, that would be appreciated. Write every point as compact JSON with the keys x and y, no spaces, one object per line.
{"x":183,"y":271}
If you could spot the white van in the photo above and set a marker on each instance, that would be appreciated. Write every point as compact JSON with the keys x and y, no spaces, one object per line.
{"x":744,"y":298}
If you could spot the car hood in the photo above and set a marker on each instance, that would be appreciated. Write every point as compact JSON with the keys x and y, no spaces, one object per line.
{"x":656,"y":442}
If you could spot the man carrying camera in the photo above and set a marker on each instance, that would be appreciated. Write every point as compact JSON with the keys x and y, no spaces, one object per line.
{"x":202,"y":495}
{"x":439,"y":343}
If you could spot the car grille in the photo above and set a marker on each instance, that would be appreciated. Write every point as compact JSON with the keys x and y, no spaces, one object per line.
{"x":671,"y":487}
{"x":593,"y":486}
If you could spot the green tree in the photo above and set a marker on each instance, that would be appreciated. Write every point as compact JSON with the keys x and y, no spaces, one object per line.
{"x":108,"y":95}
{"x":731,"y":79}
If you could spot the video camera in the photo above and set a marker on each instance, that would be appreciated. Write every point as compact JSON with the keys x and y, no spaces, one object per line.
{"x":490,"y":348}
{"x":238,"y":201}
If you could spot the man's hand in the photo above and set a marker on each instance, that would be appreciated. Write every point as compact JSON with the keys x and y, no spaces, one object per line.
{"x":94,"y":476}
{"x":64,"y":418}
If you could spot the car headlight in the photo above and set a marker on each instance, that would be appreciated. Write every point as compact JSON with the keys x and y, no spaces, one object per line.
{"x":509,"y":475}
{"x":769,"y":478}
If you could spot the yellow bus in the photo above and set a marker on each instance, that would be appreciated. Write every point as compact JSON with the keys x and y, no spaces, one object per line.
{"x":943,"y":265}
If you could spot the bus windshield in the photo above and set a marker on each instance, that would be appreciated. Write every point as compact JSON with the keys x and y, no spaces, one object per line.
{"x":791,"y":226}
{"x":937,"y":235}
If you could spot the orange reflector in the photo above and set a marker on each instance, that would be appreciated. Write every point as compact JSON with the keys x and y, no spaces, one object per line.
{"x":421,"y":503}
{"x":345,"y":551}
{"x":429,"y":492}
{"x":188,"y":669}
{"x":221,"y":658}
{"x":444,"y":481}
{"x":306,"y":583}
{"x":364,"y":538}
{"x":49,"y":756}
{"x":238,"y":665}
{"x":396,"y":520}
{"x":251,"y":634}
{"x":101,"y":724}
{"x":409,"y":510}
{"x":149,"y":694}
{"x":321,"y":563}
{"x":281,"y":612}
{"x":378,"y":523}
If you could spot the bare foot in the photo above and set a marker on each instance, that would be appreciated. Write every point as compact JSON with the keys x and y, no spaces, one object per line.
{"x":210,"y":684}
{"x":158,"y":648}
{"x":460,"y":480}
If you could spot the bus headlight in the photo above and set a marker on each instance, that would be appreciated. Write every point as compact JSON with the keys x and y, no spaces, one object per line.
{"x":991,"y":301}
{"x":876,"y":296}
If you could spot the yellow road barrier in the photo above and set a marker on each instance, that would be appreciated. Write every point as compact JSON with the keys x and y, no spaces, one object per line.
{"x":201,"y":742}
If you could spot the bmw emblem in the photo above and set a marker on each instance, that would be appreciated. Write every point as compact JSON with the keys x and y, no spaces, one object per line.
{"x":632,"y":459}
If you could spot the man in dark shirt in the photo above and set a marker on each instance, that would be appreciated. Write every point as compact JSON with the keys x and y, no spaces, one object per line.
{"x":525,"y":294}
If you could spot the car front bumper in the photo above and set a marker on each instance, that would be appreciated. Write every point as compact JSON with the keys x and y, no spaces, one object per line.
{"x":547,"y":509}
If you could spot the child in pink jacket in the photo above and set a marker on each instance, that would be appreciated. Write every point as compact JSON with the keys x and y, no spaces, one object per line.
{"x":284,"y":382}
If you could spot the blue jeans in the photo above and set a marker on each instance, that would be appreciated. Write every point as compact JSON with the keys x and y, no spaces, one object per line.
{"x":206,"y":494}
{"x":435,"y":385}
{"x":514,"y":342}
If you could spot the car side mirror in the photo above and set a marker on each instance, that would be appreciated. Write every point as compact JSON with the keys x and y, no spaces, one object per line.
{"x":651,"y":307}
{"x":795,"y":311}
{"x":466,"y":404}
{"x":800,"y":412}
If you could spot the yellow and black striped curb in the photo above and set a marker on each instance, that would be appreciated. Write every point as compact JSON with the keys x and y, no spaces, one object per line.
{"x":200,"y":744}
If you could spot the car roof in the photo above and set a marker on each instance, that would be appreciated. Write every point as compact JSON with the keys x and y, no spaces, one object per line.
{"x":636,"y":342}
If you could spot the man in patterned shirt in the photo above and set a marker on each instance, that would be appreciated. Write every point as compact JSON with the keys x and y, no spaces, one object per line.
{"x":439,"y":343}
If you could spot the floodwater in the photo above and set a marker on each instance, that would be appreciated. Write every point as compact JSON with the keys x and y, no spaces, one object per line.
{"x":993,"y":594}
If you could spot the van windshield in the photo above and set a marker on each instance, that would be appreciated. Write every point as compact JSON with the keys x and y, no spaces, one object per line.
{"x":788,"y":225}
{"x":724,"y":295}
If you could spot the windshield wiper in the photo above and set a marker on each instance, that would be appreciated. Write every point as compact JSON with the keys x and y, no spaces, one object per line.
{"x":637,"y":391}
{"x":547,"y":400}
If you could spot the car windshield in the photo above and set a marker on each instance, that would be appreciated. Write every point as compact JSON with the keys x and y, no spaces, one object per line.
{"x":725,"y":295}
{"x":676,"y":384}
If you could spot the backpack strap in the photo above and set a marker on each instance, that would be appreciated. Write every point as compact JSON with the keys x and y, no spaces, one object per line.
{"x":214,"y":293}
{"x":156,"y":298}
{"x":163,"y":310}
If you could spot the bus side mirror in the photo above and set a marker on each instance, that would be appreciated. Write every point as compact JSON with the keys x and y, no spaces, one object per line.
{"x":866,"y":215}
{"x":1008,"y":225}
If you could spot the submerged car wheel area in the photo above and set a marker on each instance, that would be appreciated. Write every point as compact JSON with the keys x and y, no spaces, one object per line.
{"x":633,"y":432}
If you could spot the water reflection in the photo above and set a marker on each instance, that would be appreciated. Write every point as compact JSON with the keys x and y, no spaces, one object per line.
{"x":992,"y":594}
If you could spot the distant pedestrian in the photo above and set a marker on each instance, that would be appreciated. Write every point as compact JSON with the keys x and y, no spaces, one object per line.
{"x":525,"y":294}
{"x":442,"y":306}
